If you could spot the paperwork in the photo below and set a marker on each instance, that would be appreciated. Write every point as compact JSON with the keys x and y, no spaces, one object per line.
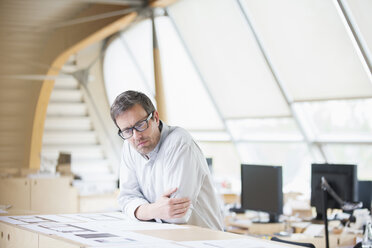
{"x":314,"y":230}
{"x":233,"y":243}
{"x":107,"y":238}
{"x":160,"y":245}
{"x":114,"y":230}
{"x":119,"y":226}
{"x":96,"y":229}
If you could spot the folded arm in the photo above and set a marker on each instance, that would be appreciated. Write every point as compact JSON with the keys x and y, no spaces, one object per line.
{"x":184,"y":171}
{"x":130,"y":197}
{"x":164,"y":208}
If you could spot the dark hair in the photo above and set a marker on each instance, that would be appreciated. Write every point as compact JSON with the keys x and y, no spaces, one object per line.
{"x":127,"y":100}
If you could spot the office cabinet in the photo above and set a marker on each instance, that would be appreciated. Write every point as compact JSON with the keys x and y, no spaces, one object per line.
{"x":41,"y":195}
{"x":2,"y":234}
{"x":15,"y":191}
{"x":53,"y":195}
{"x":13,"y":237}
{"x":48,"y":242}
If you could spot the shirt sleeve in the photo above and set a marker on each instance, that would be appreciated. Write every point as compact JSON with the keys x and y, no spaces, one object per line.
{"x":130,"y":196}
{"x":185,"y":170}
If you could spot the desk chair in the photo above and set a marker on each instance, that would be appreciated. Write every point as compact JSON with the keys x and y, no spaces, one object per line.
{"x":310,"y":245}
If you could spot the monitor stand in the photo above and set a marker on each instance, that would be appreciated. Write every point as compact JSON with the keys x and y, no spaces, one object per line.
{"x":318,"y":219}
{"x":273,"y":218}
{"x":237,"y":210}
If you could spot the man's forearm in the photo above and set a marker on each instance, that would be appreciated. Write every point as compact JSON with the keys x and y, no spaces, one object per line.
{"x":163,"y":208}
{"x":143,"y":212}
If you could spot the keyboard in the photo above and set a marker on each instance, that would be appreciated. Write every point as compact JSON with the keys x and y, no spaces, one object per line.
{"x":237,"y":210}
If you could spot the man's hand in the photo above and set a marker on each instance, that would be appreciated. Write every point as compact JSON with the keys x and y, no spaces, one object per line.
{"x":171,"y":208}
{"x":164,"y":208}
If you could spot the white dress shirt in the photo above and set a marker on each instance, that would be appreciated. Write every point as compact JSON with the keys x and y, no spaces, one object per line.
{"x":176,"y":161}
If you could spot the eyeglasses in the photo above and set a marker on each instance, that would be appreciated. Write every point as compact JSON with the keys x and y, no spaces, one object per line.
{"x":139,"y":127}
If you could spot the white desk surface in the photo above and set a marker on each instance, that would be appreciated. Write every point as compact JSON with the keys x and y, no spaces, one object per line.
{"x":63,"y":230}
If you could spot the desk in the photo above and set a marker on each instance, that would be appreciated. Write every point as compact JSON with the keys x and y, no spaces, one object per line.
{"x":18,"y":236}
{"x":335,"y":240}
{"x":239,"y":224}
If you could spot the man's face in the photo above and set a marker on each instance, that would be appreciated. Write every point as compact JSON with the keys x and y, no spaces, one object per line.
{"x":145,"y":141}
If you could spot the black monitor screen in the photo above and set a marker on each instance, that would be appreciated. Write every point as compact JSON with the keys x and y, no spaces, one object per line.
{"x":262,"y":189}
{"x":342,"y":179}
{"x":210,"y":164}
{"x":365,"y":193}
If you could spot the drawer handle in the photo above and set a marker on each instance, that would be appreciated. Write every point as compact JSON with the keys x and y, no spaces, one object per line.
{"x":8,"y":236}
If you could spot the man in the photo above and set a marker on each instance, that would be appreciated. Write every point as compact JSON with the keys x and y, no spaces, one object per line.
{"x":164,"y":175}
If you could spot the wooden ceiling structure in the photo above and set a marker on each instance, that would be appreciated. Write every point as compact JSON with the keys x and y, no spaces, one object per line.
{"x":37,"y":38}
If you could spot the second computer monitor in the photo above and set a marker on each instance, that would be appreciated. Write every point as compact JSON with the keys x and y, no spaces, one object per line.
{"x":343,"y":180}
{"x":262,"y":189}
{"x":365,"y":194}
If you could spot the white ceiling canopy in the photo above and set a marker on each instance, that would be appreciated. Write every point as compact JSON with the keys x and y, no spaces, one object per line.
{"x":181,"y":83}
{"x":311,"y":48}
{"x":138,"y":41}
{"x":228,"y":58}
{"x":121,"y":73}
{"x":360,"y":15}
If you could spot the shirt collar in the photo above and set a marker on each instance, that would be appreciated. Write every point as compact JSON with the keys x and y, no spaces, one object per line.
{"x":164,"y":131}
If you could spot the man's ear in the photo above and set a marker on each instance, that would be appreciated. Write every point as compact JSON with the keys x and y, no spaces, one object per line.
{"x":156,"y":116}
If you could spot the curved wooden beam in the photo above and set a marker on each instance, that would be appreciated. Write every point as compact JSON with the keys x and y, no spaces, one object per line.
{"x":159,"y":85}
{"x":64,"y":43}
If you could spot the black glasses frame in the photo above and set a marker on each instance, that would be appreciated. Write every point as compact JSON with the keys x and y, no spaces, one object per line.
{"x":136,"y":127}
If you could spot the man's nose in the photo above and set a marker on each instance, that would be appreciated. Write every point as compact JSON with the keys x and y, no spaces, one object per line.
{"x":136,"y":134}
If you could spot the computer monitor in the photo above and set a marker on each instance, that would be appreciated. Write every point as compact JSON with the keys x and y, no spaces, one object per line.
{"x":343,"y":180}
{"x":262,"y":189}
{"x":365,"y":193}
{"x":210,"y":164}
